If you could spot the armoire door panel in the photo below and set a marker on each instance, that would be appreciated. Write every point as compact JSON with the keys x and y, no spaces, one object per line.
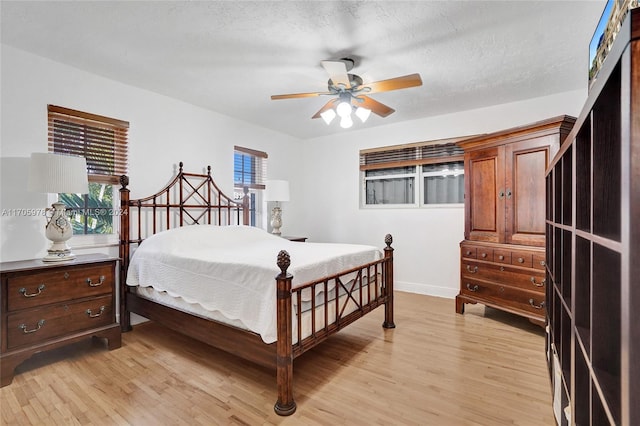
{"x":526,"y":163}
{"x":485,"y":219}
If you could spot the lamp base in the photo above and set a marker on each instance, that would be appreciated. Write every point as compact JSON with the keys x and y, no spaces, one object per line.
{"x":58,"y":256}
{"x":276,"y":220}
{"x":58,"y":230}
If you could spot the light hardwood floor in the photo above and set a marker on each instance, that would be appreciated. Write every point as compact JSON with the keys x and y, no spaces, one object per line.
{"x":436,"y":368}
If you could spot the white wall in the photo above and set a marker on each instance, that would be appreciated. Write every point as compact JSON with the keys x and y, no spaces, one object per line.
{"x":324,"y":185}
{"x":163,"y":132}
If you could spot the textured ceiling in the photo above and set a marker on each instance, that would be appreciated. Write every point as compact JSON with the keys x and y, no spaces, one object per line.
{"x":230,"y":56}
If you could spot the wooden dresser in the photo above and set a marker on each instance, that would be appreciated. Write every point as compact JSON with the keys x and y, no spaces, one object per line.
{"x":502,"y":259}
{"x":47,"y":305}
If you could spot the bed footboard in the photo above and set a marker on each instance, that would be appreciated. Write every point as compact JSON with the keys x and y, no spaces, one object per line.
{"x":356,"y":292}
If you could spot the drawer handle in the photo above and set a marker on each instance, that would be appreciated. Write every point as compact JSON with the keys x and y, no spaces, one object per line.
{"x":468,"y":253}
{"x":484,"y":255}
{"x":472,"y":270}
{"x":543,"y":263}
{"x":540,"y":284}
{"x":23,"y":327}
{"x":92,"y":315}
{"x":92,"y":284}
{"x":501,"y":257}
{"x":520,"y":260}
{"x":509,"y":193}
{"x":533,"y":304}
{"x":474,"y":288}
{"x":25,"y":294}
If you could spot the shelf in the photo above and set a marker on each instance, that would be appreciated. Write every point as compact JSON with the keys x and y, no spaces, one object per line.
{"x":609,"y":384}
{"x":566,"y":265}
{"x":582,"y":296}
{"x":606,"y":160}
{"x":583,"y":179}
{"x":593,"y":248}
{"x":583,"y":389}
{"x":567,"y":186}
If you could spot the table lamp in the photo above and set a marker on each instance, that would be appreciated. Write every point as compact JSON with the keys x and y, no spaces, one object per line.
{"x":58,"y":174}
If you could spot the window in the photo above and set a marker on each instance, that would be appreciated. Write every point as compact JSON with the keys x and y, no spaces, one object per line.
{"x":249,"y":171}
{"x":103,"y":142}
{"x":424,"y":173}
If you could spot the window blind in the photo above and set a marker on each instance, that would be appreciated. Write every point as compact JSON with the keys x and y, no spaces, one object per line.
{"x":101,"y":140}
{"x":415,"y":154}
{"x":249,"y":168}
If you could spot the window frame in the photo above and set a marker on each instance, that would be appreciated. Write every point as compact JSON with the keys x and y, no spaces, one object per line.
{"x":256,"y":185}
{"x":415,"y":154}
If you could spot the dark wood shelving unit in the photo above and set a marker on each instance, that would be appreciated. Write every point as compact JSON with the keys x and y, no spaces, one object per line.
{"x":593,"y":249}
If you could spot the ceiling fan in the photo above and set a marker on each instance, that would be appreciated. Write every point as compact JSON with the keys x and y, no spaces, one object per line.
{"x":350,"y":93}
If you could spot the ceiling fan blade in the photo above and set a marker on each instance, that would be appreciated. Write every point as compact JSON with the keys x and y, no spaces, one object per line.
{"x":299,"y":95}
{"x":338,"y":72}
{"x":376,"y":107}
{"x":326,"y":106}
{"x":411,"y":80}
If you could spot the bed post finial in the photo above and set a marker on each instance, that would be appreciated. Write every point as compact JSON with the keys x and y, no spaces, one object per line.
{"x":209,"y":170}
{"x":388,"y":240}
{"x":284,"y":260}
{"x":124,"y":181}
{"x":180,"y":164}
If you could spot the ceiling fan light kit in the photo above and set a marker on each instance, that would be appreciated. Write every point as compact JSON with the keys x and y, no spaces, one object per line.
{"x":349,"y":94}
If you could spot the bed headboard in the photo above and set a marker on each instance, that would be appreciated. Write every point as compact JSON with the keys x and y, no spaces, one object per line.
{"x":189,"y":199}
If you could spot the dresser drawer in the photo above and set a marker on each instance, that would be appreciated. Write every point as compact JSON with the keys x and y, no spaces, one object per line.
{"x":539,"y":261}
{"x":37,"y":325}
{"x":47,"y":287}
{"x":522,"y":258}
{"x":504,"y":296}
{"x":502,"y":256}
{"x":528,"y":279}
{"x":469,"y":252}
{"x":485,"y":254}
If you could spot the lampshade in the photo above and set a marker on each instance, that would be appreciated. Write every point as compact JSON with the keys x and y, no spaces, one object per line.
{"x":54,"y":173}
{"x":277,"y":190}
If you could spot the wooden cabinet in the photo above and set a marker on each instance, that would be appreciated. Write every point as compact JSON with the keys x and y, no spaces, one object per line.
{"x":47,"y":305}
{"x":505,"y":217}
{"x":593,"y":247}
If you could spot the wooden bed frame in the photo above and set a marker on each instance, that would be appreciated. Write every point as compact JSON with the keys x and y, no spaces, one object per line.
{"x":195,"y":199}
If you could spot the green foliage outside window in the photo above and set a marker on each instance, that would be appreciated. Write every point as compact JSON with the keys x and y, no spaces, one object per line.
{"x":91,"y":213}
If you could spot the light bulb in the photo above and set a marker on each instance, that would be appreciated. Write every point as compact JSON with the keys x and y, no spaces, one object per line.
{"x":344,"y":109}
{"x":363,"y":113}
{"x":346,"y":122}
{"x":328,"y":116}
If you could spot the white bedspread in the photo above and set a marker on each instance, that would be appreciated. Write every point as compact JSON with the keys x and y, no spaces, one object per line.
{"x":232,"y":269}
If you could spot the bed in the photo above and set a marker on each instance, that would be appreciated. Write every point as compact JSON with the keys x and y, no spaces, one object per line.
{"x":238,"y":288}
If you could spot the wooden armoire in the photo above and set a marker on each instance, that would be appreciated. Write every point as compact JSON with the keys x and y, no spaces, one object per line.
{"x":502,"y":258}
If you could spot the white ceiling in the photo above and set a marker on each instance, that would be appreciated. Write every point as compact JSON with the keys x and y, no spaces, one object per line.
{"x":230,"y":56}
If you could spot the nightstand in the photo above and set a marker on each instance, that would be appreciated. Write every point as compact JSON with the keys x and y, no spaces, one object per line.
{"x":290,"y":238}
{"x":45,"y":305}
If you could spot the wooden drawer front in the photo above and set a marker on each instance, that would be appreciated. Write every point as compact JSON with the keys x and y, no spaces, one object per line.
{"x":37,"y":325}
{"x":46,"y":287}
{"x":485,"y":253}
{"x":468,"y":252}
{"x":505,"y":296}
{"x":502,"y":256}
{"x":532,"y":279}
{"x":522,"y":258}
{"x":539,"y":261}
